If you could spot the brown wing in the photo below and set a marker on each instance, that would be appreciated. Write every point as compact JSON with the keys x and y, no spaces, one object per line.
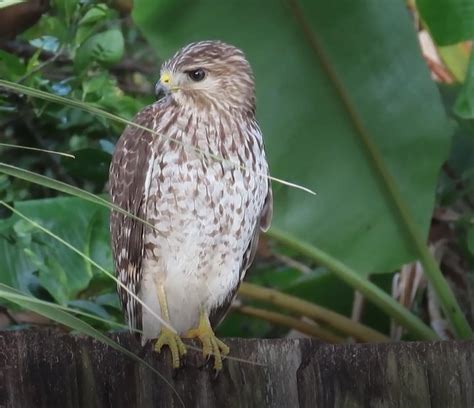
{"x":128,"y":173}
{"x":218,"y":314}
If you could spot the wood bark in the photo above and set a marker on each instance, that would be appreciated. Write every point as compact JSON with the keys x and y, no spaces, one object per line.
{"x":47,"y":368}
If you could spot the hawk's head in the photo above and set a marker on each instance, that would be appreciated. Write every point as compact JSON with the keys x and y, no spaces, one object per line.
{"x":209,"y":74}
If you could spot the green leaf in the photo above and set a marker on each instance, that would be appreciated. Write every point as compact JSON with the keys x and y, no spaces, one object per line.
{"x":449,"y":21}
{"x":90,"y":22}
{"x":90,"y":164}
{"x":94,"y":15}
{"x":66,"y":8}
{"x":90,"y":307}
{"x":63,"y":273}
{"x":88,"y":261}
{"x":338,"y":123}
{"x":109,"y":300}
{"x":51,"y":276}
{"x":99,"y":248}
{"x":354,"y":214}
{"x":464,"y":106}
{"x":310,"y":137}
{"x":95,"y":85}
{"x":11,"y":66}
{"x":276,"y":278}
{"x":53,"y":26}
{"x":105,"y":48}
{"x":83,"y":33}
{"x":456,"y":59}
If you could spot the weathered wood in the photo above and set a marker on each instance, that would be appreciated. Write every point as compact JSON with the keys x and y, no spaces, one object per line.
{"x":44,"y":368}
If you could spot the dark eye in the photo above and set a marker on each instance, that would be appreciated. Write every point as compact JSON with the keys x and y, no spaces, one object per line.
{"x":197,"y":74}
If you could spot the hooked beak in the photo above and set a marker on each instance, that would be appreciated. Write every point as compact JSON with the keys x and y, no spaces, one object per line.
{"x":162,"y":87}
{"x":161,"y":91}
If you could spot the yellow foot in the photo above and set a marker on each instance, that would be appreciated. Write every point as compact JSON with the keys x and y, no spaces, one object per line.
{"x":211,"y":345}
{"x":173,"y":341}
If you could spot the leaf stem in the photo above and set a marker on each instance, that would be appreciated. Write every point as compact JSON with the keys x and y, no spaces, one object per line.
{"x":316,"y":312}
{"x":354,"y":279}
{"x":310,"y":329}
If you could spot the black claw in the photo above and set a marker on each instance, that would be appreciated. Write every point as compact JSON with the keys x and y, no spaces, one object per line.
{"x":144,"y":349}
{"x":174,"y":373}
{"x":205,"y":363}
{"x":216,"y":374}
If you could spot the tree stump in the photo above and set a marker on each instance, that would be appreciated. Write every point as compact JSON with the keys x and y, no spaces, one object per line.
{"x":48,"y":368}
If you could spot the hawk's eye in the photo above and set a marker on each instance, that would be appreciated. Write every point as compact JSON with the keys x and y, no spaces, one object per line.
{"x":197,"y":74}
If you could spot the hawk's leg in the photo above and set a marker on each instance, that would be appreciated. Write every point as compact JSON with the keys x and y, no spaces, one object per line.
{"x":211,"y":345}
{"x":167,"y":337}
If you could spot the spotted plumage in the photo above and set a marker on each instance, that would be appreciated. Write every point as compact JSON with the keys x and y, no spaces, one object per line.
{"x":202,"y":185}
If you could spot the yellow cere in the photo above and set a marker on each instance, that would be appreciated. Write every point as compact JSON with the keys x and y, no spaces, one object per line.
{"x":165,"y":78}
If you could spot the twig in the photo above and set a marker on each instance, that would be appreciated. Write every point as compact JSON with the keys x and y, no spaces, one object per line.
{"x":439,"y":71}
{"x":358,"y":306}
{"x":293,"y":263}
{"x":39,"y":67}
{"x":405,"y":285}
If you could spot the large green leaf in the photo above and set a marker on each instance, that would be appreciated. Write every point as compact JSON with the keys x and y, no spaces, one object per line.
{"x":311,"y":136}
{"x":27,"y":253}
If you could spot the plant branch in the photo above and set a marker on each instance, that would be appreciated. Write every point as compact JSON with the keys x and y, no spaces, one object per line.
{"x":315,"y":312}
{"x":310,"y":329}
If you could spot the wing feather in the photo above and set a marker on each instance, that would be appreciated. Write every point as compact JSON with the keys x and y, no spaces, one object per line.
{"x":131,"y":162}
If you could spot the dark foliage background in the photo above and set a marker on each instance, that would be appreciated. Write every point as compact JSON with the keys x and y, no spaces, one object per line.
{"x":333,"y":79}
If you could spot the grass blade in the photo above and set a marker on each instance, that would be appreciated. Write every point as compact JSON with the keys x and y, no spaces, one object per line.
{"x":51,"y":311}
{"x":8,"y":3}
{"x":91,"y":261}
{"x":12,"y":146}
{"x":20,"y":296}
{"x":87,"y":107}
{"x":64,"y":188}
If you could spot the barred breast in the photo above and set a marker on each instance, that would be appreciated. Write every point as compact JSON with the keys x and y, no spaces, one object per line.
{"x":206,"y":189}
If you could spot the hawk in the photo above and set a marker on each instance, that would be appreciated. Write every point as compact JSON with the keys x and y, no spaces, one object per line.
{"x":200,"y":181}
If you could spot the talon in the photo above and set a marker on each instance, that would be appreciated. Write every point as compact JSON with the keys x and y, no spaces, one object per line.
{"x":175,"y":344}
{"x":211,"y":345}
